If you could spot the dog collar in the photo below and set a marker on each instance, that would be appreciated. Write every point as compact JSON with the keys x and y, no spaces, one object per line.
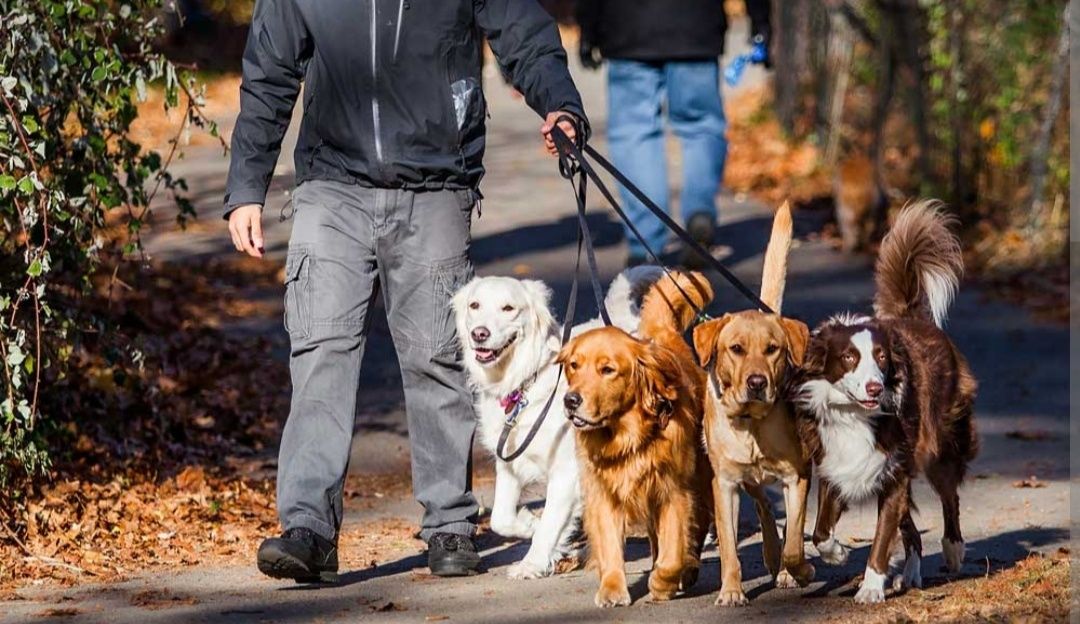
{"x":513,"y":402}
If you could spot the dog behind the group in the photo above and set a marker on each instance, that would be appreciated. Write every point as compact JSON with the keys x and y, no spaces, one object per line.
{"x":636,"y":406}
{"x":510,"y":340}
{"x":886,"y":397}
{"x":749,"y":429}
{"x":860,"y":202}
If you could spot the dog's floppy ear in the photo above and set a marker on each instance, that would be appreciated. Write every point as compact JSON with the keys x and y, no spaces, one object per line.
{"x":566,"y":352}
{"x":657,"y":371}
{"x":798,"y":337}
{"x":817,"y":351}
{"x":705,"y":336}
{"x":538,"y":295}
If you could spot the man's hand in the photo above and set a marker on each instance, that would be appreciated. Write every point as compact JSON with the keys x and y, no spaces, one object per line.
{"x":565,"y":125}
{"x":589,"y":55}
{"x":245,"y":226}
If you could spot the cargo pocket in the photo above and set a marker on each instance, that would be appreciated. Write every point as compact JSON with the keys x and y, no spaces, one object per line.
{"x":298,"y":292}
{"x":448,"y":278}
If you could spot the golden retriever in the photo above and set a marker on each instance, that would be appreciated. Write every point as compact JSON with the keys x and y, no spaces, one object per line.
{"x":750,"y":431}
{"x":636,"y":408}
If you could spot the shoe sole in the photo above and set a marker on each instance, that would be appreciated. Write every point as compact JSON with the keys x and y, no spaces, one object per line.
{"x":455,"y":568}
{"x":280,"y":565}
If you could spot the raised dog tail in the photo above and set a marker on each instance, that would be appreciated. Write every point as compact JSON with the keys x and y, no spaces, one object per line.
{"x":626,"y":294}
{"x":666,"y":306}
{"x":919,"y":265}
{"x":774,"y":275}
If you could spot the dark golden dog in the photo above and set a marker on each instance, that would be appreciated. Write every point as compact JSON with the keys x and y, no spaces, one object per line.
{"x":636,"y":405}
{"x":750,"y":431}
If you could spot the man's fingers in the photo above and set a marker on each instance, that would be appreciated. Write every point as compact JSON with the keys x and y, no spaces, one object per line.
{"x":235,"y":236}
{"x":257,"y":235}
{"x":245,"y":236}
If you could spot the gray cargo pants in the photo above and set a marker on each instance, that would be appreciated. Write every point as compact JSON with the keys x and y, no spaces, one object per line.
{"x":348,"y":242}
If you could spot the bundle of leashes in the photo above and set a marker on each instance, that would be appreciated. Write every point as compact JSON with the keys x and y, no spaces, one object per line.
{"x":575,"y":167}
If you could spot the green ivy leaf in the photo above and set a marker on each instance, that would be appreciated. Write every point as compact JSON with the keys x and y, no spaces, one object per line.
{"x":34,"y":270}
{"x":7,"y":182}
{"x":26,"y":185}
{"x":98,"y":74}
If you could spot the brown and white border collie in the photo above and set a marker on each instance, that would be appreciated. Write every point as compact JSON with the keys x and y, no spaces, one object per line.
{"x":881,"y":399}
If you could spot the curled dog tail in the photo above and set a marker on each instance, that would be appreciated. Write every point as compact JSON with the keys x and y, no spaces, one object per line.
{"x":919,"y":266}
{"x":774,"y":274}
{"x":666,"y":309}
{"x":626,"y":294}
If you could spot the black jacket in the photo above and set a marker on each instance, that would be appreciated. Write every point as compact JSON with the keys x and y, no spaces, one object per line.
{"x":392,"y":95}
{"x":662,"y":30}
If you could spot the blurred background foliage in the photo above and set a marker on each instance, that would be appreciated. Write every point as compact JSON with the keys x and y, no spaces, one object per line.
{"x":959,"y":99}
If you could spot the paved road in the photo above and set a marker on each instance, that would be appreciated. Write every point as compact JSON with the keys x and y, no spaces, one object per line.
{"x":527,"y":227}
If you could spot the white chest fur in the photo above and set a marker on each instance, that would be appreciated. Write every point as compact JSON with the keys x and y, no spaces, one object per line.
{"x":852,"y":462}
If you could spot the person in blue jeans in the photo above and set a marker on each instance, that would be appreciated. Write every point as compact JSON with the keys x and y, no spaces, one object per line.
{"x":664,"y":54}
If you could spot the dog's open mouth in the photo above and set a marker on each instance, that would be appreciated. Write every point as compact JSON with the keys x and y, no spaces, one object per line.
{"x":487,"y":355}
{"x":870,"y":404}
{"x":584,"y":425}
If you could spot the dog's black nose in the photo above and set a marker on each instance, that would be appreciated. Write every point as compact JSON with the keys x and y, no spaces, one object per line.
{"x":874,"y":389}
{"x":572,"y":400}
{"x":756,"y":383}
{"x":481,"y":334}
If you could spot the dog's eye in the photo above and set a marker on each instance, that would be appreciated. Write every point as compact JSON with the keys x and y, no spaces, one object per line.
{"x":508,"y":308}
{"x":736,"y":349}
{"x":849,"y":358}
{"x":773,"y":348}
{"x":607,"y":370}
{"x":475,"y":305}
{"x":574,"y":366}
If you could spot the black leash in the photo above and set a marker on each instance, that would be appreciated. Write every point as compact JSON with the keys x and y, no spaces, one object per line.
{"x":572,"y":163}
{"x":572,"y":152}
{"x":584,"y":240}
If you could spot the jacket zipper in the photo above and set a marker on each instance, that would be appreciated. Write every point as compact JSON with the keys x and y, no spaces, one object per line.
{"x":375,"y":85}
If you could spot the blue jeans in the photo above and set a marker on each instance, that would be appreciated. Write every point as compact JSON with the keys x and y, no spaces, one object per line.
{"x":637,"y":92}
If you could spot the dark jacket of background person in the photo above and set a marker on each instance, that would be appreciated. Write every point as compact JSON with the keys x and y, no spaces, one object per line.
{"x":392,"y":94}
{"x":662,"y":30}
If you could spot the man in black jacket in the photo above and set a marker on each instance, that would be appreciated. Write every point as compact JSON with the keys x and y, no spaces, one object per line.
{"x":387,"y":165}
{"x":665,"y":52}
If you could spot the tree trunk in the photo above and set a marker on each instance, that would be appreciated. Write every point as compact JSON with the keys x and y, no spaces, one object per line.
{"x":791,"y":47}
{"x":1040,"y":153}
{"x":837,"y":75}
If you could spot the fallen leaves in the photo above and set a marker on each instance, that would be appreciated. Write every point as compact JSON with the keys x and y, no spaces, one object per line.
{"x":1030,"y":482}
{"x":157,"y":599}
{"x":59,"y":612}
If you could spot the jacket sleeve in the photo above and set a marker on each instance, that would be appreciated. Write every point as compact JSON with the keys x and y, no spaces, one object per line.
{"x":278,"y":47}
{"x":526,"y":42}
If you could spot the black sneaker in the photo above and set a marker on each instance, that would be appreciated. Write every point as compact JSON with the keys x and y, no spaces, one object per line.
{"x":299,"y":554}
{"x":701,"y":228}
{"x":450,"y":554}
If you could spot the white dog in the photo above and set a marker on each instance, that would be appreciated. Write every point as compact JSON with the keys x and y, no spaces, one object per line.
{"x":510,"y":340}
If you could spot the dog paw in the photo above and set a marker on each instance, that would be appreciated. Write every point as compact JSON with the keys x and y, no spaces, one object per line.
{"x":524,"y":570}
{"x":784,"y":580}
{"x":606,"y":599}
{"x":911,"y":577}
{"x":833,"y":552}
{"x":870,"y":595}
{"x":872,"y":589}
{"x":794,"y":579}
{"x":954,"y":555}
{"x":731,"y":598}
